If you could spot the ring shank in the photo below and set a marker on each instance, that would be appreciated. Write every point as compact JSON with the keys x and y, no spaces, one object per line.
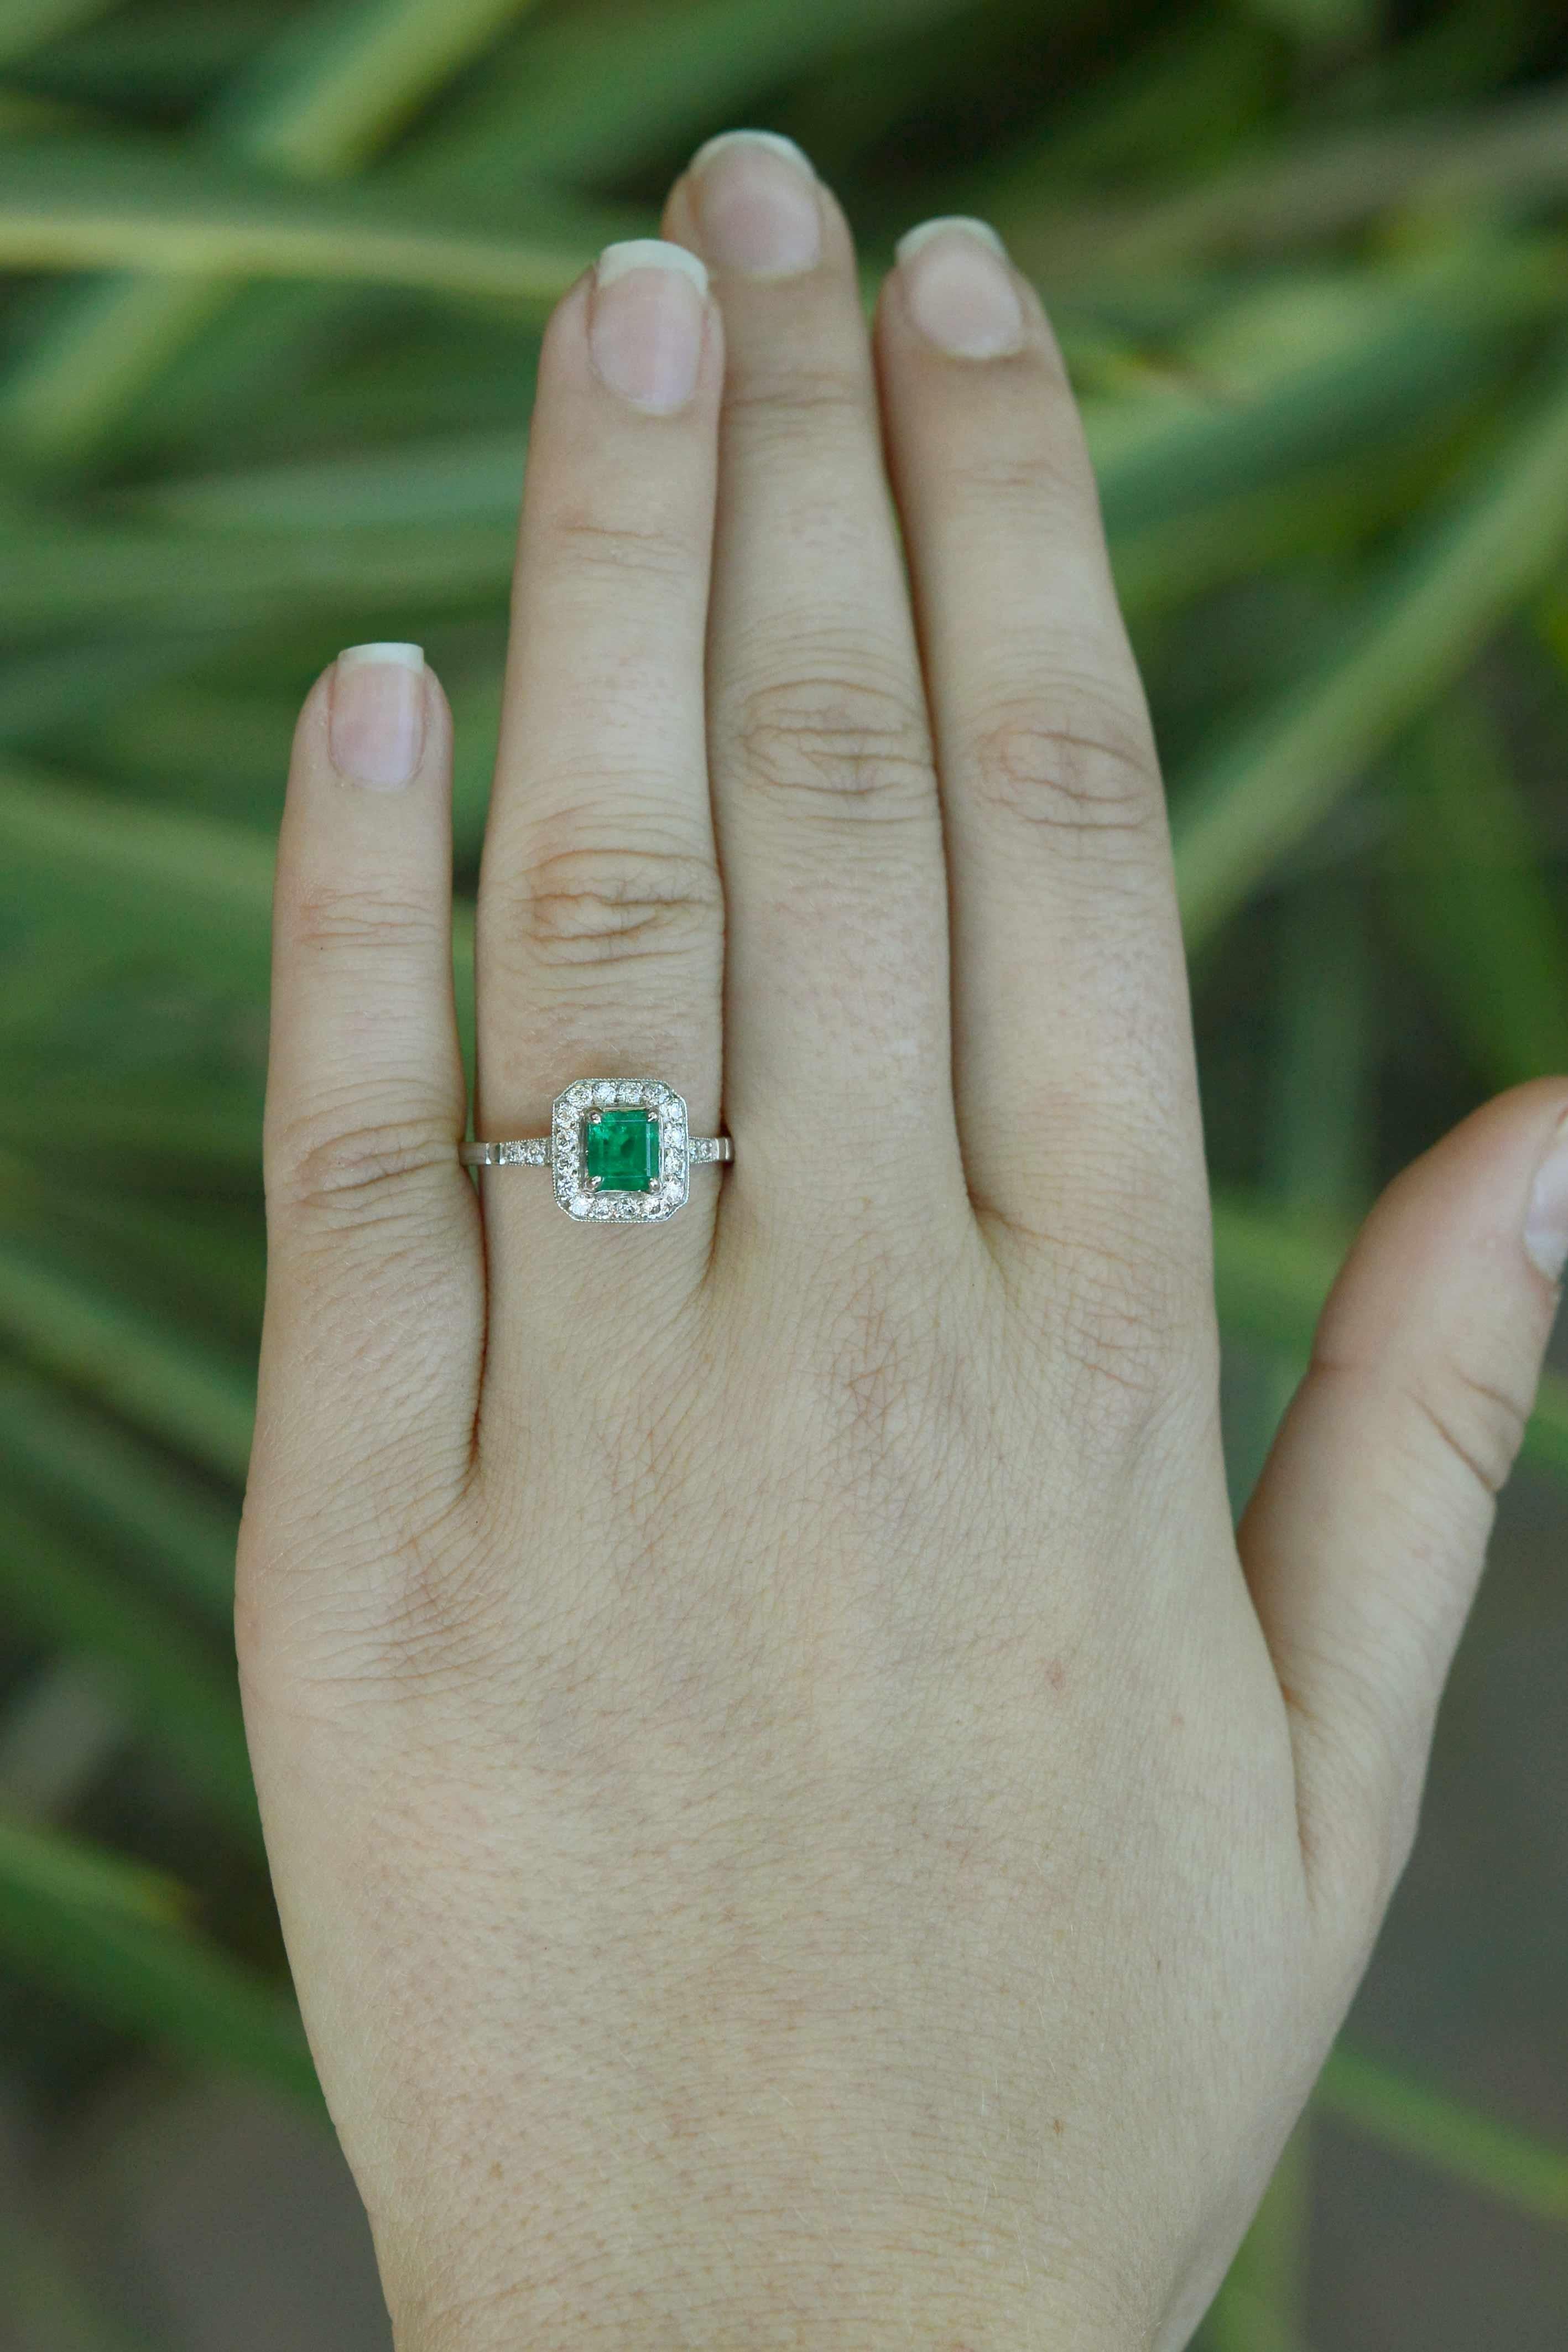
{"x":534,"y":1151}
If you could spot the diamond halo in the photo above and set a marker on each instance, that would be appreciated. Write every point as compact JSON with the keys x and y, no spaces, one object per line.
{"x":577,"y":1193}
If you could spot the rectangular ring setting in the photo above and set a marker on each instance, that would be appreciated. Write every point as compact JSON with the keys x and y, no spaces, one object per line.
{"x":619,"y":1151}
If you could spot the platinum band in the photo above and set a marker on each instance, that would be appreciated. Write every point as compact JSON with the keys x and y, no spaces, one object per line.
{"x":534,"y":1151}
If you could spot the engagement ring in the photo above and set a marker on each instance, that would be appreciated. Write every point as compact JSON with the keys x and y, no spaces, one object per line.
{"x":619,"y":1150}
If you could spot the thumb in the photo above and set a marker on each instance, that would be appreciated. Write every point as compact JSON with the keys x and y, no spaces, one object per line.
{"x":1364,"y":1542}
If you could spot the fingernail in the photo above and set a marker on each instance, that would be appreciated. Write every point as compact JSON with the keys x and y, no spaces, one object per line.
{"x":645,"y":334}
{"x":1546,"y":1219}
{"x":375,"y":727}
{"x":756,"y":201}
{"x":960,"y":293}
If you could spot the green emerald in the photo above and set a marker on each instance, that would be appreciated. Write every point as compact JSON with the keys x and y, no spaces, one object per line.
{"x":621,"y":1150}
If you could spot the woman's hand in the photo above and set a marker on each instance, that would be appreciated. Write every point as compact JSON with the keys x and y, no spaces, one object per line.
{"x":794,"y":1825}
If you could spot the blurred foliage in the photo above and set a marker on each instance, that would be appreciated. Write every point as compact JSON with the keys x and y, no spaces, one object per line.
{"x":276,"y":275}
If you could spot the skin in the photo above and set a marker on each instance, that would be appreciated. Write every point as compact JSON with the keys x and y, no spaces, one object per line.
{"x":798,"y":1821}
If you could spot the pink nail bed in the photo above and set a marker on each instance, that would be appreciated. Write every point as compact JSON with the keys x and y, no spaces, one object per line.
{"x":375,"y":728}
{"x":645,"y":328}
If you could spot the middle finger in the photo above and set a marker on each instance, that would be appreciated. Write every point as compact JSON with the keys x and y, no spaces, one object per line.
{"x":824,"y":792}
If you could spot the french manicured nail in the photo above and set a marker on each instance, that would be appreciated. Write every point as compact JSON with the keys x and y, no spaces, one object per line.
{"x":645,"y":334}
{"x":375,"y":727}
{"x":756,"y":201}
{"x":958,"y":288}
{"x":1546,"y":1219}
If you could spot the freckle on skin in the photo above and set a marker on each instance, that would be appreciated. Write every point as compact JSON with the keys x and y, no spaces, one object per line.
{"x":1056,"y":1673}
{"x":1056,"y":2126}
{"x":496,"y":2170}
{"x":1178,"y":1723}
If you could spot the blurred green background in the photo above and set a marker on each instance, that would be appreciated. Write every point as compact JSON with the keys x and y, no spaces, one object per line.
{"x":274,"y":276}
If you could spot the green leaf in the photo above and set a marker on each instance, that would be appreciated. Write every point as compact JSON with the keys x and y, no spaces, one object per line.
{"x":189,"y":895}
{"x":60,"y":1874}
{"x":127,"y":1358}
{"x":76,"y":205}
{"x":343,"y":80}
{"x":1471,"y":894}
{"x":147,"y":60}
{"x":338,"y":83}
{"x":603,"y":89}
{"x":477,"y":478}
{"x":28,"y":24}
{"x":182,"y":1700}
{"x":1169,"y":109}
{"x":146,"y":865}
{"x":1316,"y":22}
{"x":66,"y":684}
{"x":62,"y":1729}
{"x":1312,"y":367}
{"x":141,"y":1502}
{"x":1261,"y":2307}
{"x":83,"y":577}
{"x":85,"y":1926}
{"x":1317,"y":184}
{"x":1252,"y":801}
{"x":1413,"y":2119}
{"x":48,"y":2302}
{"x":1318,"y":1137}
{"x":1319,"y":1131}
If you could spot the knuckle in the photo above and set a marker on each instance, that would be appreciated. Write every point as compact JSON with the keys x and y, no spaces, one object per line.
{"x":897,"y":1392}
{"x":838,"y":734}
{"x":868,"y":1364}
{"x":586,"y":906}
{"x":448,"y":1618}
{"x":1042,"y":481}
{"x":1134,"y":1326}
{"x":591,"y":546}
{"x":1112,"y":1343}
{"x":351,"y":922}
{"x":788,"y":393}
{"x":414,"y":1609}
{"x":1478,"y":1424}
{"x":1074,"y":761}
{"x":339,"y":1167}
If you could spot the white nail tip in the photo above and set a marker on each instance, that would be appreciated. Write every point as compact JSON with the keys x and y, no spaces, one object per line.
{"x":774,"y":139}
{"x":649,"y":253}
{"x":406,"y":657}
{"x":911,"y":242}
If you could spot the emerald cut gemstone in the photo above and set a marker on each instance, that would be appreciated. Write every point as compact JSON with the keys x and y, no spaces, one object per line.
{"x":621,"y":1150}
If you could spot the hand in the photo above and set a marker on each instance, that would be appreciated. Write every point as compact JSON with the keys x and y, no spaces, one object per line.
{"x":794,"y":1824}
